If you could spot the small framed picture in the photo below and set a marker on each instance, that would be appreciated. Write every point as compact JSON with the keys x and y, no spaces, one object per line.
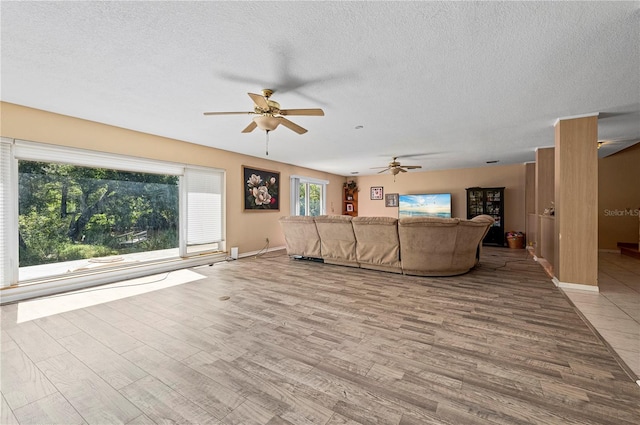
{"x":377,"y":193}
{"x":391,"y":200}
{"x":349,"y":207}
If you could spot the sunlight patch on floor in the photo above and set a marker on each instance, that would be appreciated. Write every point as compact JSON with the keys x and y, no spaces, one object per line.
{"x":55,"y":304}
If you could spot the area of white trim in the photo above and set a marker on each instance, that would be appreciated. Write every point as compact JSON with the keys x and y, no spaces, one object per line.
{"x":304,"y":179}
{"x":54,"y":286}
{"x":573,"y":117}
{"x":575,"y":286}
{"x":35,"y":151}
{"x":260,"y":252}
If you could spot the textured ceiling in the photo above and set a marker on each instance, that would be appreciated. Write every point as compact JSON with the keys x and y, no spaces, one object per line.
{"x":444,"y":84}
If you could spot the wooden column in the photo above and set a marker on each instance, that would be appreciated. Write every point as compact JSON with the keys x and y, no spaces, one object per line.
{"x":531,"y":222}
{"x":545,"y":175}
{"x":576,"y":201}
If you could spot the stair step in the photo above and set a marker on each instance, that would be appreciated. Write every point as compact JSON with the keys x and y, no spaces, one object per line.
{"x":630,"y":249}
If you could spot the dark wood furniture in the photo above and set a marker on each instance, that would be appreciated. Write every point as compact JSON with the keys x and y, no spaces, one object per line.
{"x":490,"y":201}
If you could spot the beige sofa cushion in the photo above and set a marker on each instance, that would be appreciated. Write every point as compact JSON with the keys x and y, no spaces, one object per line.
{"x":377,"y":243}
{"x":301,"y":236}
{"x":337,"y":241}
{"x":440,"y":246}
{"x":427,"y":245}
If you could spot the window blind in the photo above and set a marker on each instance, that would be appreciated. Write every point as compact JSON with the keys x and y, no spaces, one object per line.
{"x":8,"y":215}
{"x":204,"y":210}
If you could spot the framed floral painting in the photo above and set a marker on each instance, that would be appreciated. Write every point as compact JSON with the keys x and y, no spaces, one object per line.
{"x":261,"y":189}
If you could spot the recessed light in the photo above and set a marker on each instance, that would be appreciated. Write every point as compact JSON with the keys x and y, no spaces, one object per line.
{"x":492,"y":162}
{"x":359,"y":127}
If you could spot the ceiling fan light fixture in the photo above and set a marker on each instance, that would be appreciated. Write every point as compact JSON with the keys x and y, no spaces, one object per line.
{"x":269,"y":115}
{"x":266,"y":122}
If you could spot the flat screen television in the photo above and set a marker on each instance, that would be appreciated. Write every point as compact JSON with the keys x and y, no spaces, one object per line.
{"x":425,"y":205}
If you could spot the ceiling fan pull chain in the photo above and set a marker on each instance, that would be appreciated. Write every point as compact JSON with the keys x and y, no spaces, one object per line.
{"x":267,"y":146}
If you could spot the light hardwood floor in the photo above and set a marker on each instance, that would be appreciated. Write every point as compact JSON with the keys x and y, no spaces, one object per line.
{"x":299,"y":342}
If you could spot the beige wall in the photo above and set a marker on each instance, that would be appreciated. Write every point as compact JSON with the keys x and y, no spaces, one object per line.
{"x":618,"y":192}
{"x":511,"y":177}
{"x":618,"y":178}
{"x":246,"y":230}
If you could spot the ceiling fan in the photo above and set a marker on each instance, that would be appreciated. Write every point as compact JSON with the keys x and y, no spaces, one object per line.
{"x":395,"y":167}
{"x":269,"y":115}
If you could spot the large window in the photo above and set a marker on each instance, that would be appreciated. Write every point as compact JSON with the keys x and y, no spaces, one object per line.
{"x":308,"y":196}
{"x":68,"y":212}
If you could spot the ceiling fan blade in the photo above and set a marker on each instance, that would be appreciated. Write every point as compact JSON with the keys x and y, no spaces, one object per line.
{"x":402,"y":170}
{"x":412,"y":167}
{"x":259,"y":100}
{"x":248,"y":129}
{"x":228,"y":113}
{"x":374,"y":168}
{"x":292,"y":126}
{"x":383,"y":171}
{"x":317,"y":112}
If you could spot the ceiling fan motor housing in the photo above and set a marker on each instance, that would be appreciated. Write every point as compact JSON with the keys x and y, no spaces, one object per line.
{"x":269,"y":114}
{"x":274,"y":108}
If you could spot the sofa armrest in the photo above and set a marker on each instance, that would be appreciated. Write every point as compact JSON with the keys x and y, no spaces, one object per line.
{"x":485,"y":219}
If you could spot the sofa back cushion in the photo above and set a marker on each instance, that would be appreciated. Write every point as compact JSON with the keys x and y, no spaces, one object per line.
{"x":427,"y":244}
{"x":377,"y":240}
{"x":301,"y":236}
{"x":337,"y":241}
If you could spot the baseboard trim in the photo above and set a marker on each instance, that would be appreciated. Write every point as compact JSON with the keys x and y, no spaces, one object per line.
{"x":574,"y":286}
{"x":260,"y":252}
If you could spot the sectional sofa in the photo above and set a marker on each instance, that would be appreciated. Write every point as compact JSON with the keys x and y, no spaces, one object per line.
{"x":421,"y":246}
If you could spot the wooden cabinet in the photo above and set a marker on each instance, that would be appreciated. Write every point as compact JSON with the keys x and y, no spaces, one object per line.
{"x":490,"y":201}
{"x":547,"y":249}
{"x":350,"y":202}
